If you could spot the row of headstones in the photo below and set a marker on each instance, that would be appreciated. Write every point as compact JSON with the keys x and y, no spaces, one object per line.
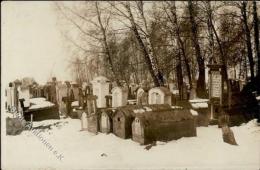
{"x":113,"y":120}
{"x":119,"y":96}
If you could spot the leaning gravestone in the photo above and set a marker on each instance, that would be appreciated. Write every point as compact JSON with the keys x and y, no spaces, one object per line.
{"x":228,"y":135}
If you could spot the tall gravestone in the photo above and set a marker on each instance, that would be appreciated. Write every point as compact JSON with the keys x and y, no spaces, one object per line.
{"x":92,"y":116}
{"x":61,"y":90}
{"x":119,"y":96}
{"x":10,"y":95}
{"x":100,"y":89}
{"x":17,"y":83}
{"x":215,"y":89}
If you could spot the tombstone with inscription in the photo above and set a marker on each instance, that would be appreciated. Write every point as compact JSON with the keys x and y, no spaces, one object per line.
{"x":215,"y":89}
{"x":101,"y":89}
{"x":92,"y":115}
{"x":119,"y":96}
{"x":159,"y":95}
{"x":142,"y":96}
{"x":106,"y":123}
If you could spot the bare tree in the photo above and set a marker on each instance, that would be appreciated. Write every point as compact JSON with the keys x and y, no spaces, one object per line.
{"x":201,"y":87}
{"x":143,"y":39}
{"x":256,"y":36}
{"x":99,"y":33}
{"x":173,"y":18}
{"x":248,"y":38}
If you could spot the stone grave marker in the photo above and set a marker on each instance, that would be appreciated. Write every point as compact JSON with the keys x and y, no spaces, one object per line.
{"x":119,"y":96}
{"x":101,"y":89}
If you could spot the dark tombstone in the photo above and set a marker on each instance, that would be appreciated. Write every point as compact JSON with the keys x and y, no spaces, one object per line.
{"x":228,"y":135}
{"x":108,"y":100}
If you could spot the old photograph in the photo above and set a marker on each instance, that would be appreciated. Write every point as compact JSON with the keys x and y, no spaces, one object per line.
{"x":130,"y":85}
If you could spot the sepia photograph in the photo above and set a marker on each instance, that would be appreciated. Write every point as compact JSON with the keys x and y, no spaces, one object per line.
{"x":130,"y":85}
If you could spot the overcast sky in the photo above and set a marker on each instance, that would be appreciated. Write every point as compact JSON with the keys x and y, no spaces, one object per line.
{"x":31,"y":42}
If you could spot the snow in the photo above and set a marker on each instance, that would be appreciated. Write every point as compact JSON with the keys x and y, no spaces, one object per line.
{"x":75,"y":104}
{"x":37,"y":100}
{"x":40,"y":102}
{"x":138,"y":110}
{"x":148,"y":109}
{"x":83,"y":150}
{"x":175,"y":91}
{"x":199,"y":103}
{"x":132,"y":101}
{"x":198,"y":100}
{"x":193,"y":112}
{"x":176,"y":107}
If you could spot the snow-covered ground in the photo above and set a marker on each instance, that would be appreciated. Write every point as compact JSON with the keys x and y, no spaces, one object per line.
{"x":39,"y":103}
{"x":83,"y":150}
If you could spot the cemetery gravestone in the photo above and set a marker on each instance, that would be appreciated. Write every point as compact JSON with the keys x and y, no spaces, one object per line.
{"x":101,"y":89}
{"x":61,"y":92}
{"x":142,"y":97}
{"x":119,"y":96}
{"x":84,"y":121}
{"x":215,"y":89}
{"x":92,"y":114}
{"x":159,"y":95}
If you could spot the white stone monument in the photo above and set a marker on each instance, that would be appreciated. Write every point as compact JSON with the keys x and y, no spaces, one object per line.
{"x":159,"y":95}
{"x":84,"y":121}
{"x":119,"y":96}
{"x":10,"y":97}
{"x":23,"y":93}
{"x":100,"y":89}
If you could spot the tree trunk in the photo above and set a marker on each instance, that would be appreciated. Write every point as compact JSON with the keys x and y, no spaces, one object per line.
{"x":180,"y":43}
{"x":256,"y":31}
{"x":248,"y":40}
{"x":201,"y":87}
{"x":149,"y":58}
{"x":223,"y":58}
{"x":105,"y":44}
{"x":179,"y":76}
